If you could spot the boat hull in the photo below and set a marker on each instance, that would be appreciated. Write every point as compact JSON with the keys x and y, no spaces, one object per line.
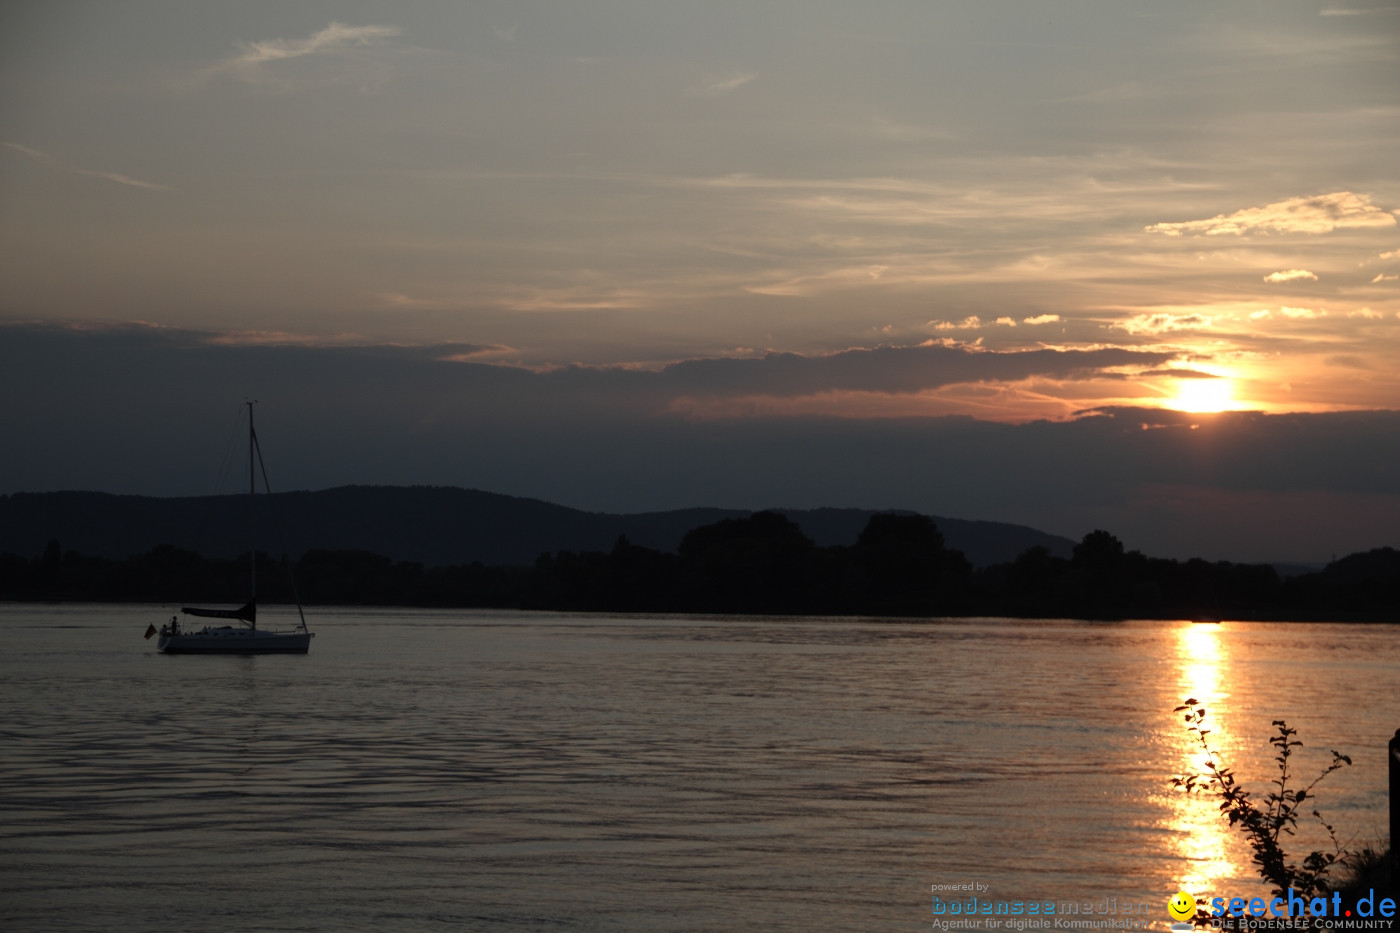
{"x":229,"y":640}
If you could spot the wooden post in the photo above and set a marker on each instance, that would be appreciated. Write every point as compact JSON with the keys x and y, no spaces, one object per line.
{"x":1394,"y":748}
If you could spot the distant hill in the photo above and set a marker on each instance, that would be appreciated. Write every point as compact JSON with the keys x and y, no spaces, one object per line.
{"x":431,"y":525}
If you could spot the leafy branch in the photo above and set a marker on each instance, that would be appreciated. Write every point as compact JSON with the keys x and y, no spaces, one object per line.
{"x":1264,"y":823}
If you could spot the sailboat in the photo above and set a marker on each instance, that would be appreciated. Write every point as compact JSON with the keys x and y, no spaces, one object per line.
{"x":246,"y":638}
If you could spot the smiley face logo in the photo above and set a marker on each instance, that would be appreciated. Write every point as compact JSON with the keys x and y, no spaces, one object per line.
{"x":1182,"y":906}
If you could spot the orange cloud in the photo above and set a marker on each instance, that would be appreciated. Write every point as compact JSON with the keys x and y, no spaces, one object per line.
{"x":1322,"y":213}
{"x":971,"y":322}
{"x":1163,"y":322}
{"x":1290,"y":275}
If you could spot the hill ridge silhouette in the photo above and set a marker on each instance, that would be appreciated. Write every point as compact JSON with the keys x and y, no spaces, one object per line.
{"x":432,"y":525}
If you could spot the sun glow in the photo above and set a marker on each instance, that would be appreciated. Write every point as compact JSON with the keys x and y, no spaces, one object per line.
{"x":1203,"y":395}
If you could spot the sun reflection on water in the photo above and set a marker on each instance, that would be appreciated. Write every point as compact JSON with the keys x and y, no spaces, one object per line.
{"x":1203,"y":840}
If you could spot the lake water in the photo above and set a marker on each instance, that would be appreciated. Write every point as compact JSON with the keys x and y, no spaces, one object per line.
{"x":492,"y":771}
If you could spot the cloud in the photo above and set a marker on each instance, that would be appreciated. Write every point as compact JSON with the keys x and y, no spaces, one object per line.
{"x":399,"y":300}
{"x":1367,"y":313}
{"x":1305,"y":313}
{"x":1006,"y":322}
{"x":1382,"y":277}
{"x":265,"y":338}
{"x":1163,"y":322}
{"x":971,"y":322}
{"x":32,"y":153}
{"x":1339,"y":11}
{"x":1320,"y":214}
{"x":718,"y":86}
{"x":890,"y":370}
{"x":586,"y":297}
{"x":1290,"y":275}
{"x":255,"y":60}
{"x":120,"y":179}
{"x":1041,"y":319}
{"x":603,"y":438}
{"x":817,"y":282}
{"x":337,"y":37}
{"x":123,"y":179}
{"x":1178,"y":373}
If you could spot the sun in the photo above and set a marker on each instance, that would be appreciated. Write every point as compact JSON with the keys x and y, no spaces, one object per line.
{"x":1203,"y":395}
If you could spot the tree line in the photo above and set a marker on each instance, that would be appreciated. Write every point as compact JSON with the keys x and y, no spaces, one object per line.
{"x":763,"y":563}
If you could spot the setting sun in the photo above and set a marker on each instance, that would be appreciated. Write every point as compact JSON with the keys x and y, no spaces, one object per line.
{"x":1203,"y":395}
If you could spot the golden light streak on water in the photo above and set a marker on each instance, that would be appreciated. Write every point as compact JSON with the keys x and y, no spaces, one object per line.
{"x":1203,"y":841}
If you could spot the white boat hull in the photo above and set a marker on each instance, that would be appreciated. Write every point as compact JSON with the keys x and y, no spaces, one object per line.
{"x":229,"y":640}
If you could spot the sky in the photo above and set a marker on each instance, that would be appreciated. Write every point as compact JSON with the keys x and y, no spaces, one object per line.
{"x":1122,"y":265}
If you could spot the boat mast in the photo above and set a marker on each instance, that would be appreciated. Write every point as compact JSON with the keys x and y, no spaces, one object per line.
{"x":252,"y":517}
{"x":267,"y":488}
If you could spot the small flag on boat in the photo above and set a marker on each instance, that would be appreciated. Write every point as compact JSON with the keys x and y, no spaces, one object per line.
{"x":150,"y":630}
